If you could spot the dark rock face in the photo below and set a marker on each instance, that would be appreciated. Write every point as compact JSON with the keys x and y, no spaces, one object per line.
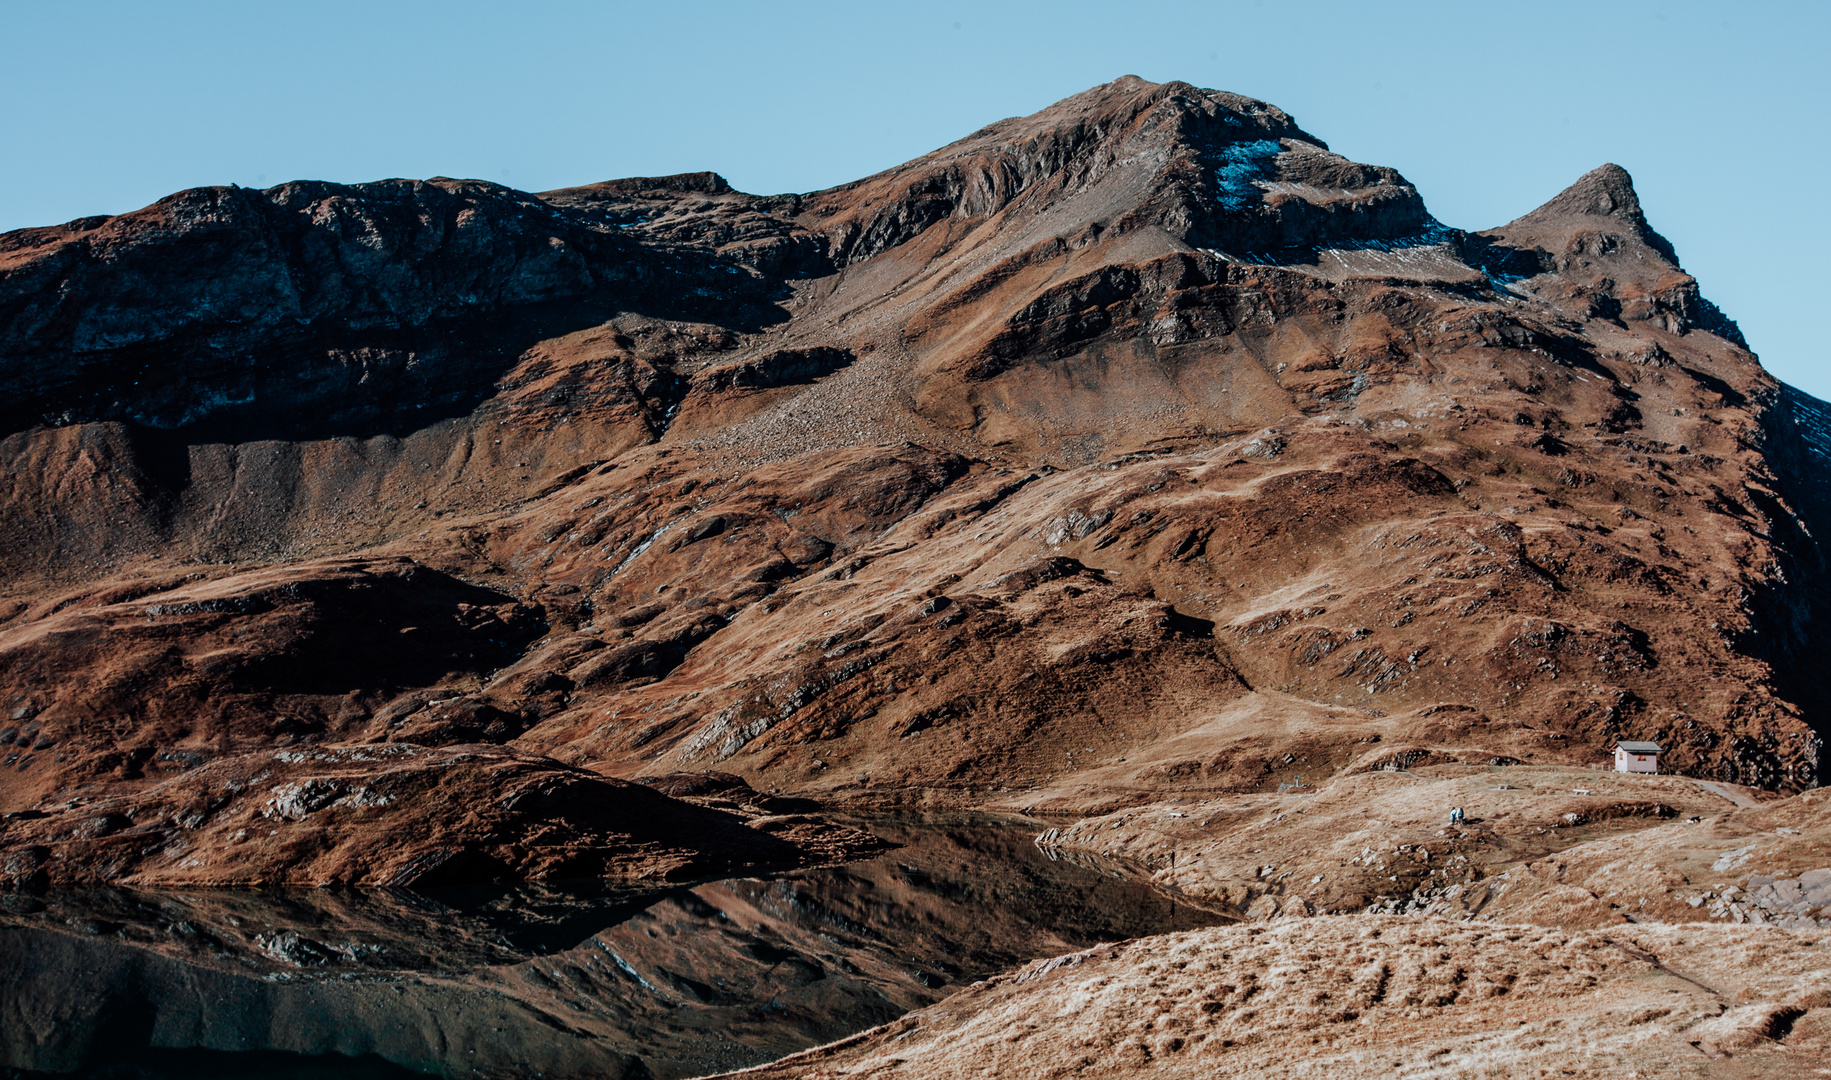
{"x":1594,"y":226}
{"x":370,"y":306}
{"x":1139,"y":443}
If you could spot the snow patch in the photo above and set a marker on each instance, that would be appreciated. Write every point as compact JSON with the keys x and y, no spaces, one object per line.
{"x":1812,"y":419}
{"x":1243,"y":166}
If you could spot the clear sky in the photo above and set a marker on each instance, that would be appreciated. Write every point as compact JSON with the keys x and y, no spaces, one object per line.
{"x":1718,"y":110}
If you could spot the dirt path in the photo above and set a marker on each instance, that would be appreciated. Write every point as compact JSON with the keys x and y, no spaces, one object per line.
{"x":1742,"y":802}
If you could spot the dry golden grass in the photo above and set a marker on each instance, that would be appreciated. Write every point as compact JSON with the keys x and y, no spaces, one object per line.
{"x":1377,"y":996}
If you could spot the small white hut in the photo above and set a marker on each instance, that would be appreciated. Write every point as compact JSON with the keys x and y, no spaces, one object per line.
{"x":1642,"y":757}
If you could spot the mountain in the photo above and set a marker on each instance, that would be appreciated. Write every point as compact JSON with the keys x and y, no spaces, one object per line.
{"x":1140,"y":447}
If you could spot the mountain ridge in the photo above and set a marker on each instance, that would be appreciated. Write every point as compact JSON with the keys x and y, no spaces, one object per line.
{"x":1138,"y":445}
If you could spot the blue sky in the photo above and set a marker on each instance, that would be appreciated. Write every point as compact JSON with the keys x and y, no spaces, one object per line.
{"x":1718,"y":110}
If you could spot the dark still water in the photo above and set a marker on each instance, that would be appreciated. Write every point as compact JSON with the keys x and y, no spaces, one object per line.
{"x":538,"y":982}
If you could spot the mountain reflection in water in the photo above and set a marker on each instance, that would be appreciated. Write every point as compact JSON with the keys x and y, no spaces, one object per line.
{"x":535,"y":981}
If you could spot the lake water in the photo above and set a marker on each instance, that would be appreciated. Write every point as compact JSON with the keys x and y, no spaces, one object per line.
{"x":535,"y":981}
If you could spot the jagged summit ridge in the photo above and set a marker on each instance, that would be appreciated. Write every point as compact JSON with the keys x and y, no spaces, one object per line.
{"x":1206,"y":167}
{"x":355,"y":294}
{"x":1202,"y":167}
{"x":379,"y":307}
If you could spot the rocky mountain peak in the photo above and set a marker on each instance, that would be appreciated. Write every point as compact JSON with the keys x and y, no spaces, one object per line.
{"x":1592,"y":247}
{"x":1607,"y":193}
{"x":1205,"y":168}
{"x":1107,"y":109}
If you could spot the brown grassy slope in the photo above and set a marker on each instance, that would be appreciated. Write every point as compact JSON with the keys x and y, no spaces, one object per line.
{"x":403,"y":816}
{"x":1564,"y":847}
{"x":1376,"y":996}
